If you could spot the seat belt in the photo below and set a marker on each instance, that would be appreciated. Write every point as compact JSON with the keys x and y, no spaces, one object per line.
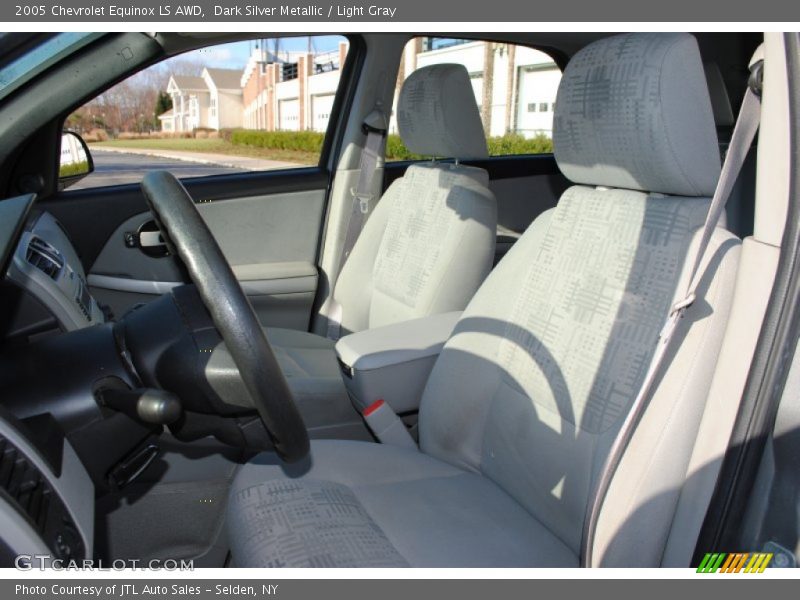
{"x":743,"y":135}
{"x":374,"y":127}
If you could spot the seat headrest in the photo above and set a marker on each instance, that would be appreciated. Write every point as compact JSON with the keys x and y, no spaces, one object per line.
{"x":633,"y":111}
{"x":437,"y":114}
{"x":720,"y":101}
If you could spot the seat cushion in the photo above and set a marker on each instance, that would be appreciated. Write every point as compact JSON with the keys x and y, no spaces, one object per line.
{"x":371,"y":505}
{"x":309,"y":363}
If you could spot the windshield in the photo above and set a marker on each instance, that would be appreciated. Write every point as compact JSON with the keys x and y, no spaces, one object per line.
{"x":40,"y":58}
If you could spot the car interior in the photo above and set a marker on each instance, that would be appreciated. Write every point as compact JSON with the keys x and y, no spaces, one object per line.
{"x":459,"y":360}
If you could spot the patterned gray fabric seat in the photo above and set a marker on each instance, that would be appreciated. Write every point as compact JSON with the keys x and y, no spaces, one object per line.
{"x":529,"y":392}
{"x":427,"y":246}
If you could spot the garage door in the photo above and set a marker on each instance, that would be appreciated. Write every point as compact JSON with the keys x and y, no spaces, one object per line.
{"x":289,"y":115}
{"x":536,"y":99}
{"x":321,"y":107}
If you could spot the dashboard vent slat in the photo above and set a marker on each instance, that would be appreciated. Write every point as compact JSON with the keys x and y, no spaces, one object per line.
{"x":44,"y":257}
{"x":28,"y":490}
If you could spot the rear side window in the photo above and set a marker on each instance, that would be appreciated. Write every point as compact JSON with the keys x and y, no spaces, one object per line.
{"x":515,"y":89}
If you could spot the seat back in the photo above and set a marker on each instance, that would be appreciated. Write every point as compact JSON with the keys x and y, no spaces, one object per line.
{"x":430,"y":242}
{"x":533,"y":386}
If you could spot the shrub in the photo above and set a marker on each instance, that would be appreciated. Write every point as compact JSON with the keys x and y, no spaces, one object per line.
{"x":509,"y":144}
{"x":513,"y":143}
{"x":396,"y":149}
{"x":213,"y":135}
{"x":305,"y":141}
{"x":134,"y":135}
{"x":73,"y":169}
{"x":201,"y":134}
{"x":96,"y":135}
{"x":311,"y":141}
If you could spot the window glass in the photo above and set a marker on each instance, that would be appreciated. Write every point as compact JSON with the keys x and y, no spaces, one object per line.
{"x":522,"y":84}
{"x":245,"y":106}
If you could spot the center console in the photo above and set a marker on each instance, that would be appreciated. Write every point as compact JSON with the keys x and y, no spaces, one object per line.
{"x":392,"y":363}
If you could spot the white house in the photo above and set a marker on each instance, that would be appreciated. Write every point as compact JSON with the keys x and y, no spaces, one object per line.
{"x":167,"y":120}
{"x":225,"y":108}
{"x":211,"y":101}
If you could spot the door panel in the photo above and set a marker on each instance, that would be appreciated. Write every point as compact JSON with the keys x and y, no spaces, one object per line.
{"x":270,"y":240}
{"x":525,"y":187}
{"x":267,"y":224}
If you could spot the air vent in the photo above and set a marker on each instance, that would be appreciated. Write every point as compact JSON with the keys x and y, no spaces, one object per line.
{"x":27,"y":490}
{"x":24,"y":484}
{"x":44,"y":257}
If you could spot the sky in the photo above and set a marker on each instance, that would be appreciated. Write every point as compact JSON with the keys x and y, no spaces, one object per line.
{"x":234,"y":55}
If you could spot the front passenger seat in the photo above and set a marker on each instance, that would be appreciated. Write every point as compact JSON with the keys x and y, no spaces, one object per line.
{"x":426,"y":248}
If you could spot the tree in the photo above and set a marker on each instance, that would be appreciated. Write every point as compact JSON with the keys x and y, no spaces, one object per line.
{"x":163,"y":104}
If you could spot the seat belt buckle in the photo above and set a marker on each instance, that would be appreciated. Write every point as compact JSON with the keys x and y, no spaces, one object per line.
{"x":387,"y":426}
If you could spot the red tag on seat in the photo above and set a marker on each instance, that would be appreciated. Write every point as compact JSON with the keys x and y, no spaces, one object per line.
{"x":373,"y":407}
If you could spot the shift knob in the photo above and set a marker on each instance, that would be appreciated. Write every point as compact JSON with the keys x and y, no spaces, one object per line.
{"x":158,"y":407}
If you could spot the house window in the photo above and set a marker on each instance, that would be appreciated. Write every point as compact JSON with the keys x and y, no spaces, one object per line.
{"x":532,"y":107}
{"x":213,"y":107}
{"x":543,"y":107}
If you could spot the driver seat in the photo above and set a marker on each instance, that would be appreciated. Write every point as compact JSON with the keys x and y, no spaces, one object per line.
{"x":529,"y":392}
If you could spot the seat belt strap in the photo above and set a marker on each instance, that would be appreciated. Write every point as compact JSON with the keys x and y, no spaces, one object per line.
{"x":743,"y":135}
{"x":374,"y":127}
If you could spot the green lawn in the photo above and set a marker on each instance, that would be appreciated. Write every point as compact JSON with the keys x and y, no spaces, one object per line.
{"x":212,"y":146}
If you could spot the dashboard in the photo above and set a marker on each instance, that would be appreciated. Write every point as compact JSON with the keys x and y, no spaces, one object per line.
{"x":45,"y":264}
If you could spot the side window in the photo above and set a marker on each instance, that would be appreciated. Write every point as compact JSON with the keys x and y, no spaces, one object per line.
{"x":515,"y":89}
{"x":244,"y":106}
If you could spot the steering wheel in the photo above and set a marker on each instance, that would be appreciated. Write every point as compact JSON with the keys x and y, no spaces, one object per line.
{"x":187,"y":235}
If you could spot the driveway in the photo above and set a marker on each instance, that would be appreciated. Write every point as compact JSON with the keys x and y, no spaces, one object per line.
{"x":118,"y":166}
